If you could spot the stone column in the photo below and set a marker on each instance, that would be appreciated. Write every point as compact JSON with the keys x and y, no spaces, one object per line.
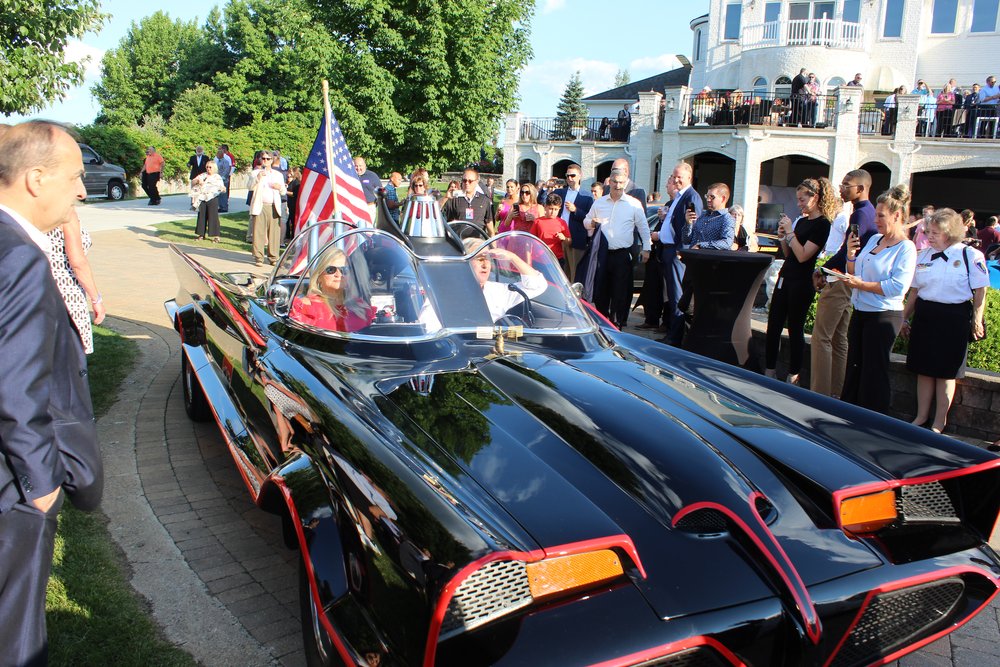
{"x":844,"y":153}
{"x":669,"y":139}
{"x":746,"y":180}
{"x":906,"y":140}
{"x":641,"y":139}
{"x":510,"y":149}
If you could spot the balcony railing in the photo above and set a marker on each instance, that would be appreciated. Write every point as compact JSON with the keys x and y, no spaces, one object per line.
{"x":745,"y":108}
{"x":556,"y":129}
{"x":831,"y":33}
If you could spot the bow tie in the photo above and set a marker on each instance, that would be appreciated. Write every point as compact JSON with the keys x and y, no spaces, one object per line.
{"x":939,"y":255}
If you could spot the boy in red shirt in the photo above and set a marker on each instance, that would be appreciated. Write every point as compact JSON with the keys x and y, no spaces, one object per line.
{"x":552,"y":229}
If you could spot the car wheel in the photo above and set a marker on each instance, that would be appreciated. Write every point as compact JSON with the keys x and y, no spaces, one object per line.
{"x":116,"y":190}
{"x":195,"y":404}
{"x":319,"y":650}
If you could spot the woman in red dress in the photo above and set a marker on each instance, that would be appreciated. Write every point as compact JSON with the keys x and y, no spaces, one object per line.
{"x":327,"y":303}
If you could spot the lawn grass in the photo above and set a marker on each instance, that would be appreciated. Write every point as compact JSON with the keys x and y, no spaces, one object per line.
{"x":232,"y":232}
{"x":94,"y":617}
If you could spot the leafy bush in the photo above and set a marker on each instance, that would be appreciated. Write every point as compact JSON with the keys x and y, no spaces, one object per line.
{"x":124,"y":146}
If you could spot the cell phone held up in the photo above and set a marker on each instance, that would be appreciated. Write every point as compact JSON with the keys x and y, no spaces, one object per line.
{"x":690,"y":207}
{"x":854,"y":230}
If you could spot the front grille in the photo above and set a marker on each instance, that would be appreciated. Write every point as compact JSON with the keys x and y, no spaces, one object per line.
{"x":700,"y":656}
{"x":703,"y":521}
{"x":897,"y":618}
{"x":925,"y":502}
{"x":490,"y":592}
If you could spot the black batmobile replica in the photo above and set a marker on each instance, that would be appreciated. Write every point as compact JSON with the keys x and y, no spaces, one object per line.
{"x":479,"y":470}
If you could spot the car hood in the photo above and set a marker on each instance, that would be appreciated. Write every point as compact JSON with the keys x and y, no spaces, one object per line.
{"x":605,"y":445}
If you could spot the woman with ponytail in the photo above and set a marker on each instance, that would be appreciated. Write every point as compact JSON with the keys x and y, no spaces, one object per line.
{"x":880,"y":275}
{"x":794,"y":291}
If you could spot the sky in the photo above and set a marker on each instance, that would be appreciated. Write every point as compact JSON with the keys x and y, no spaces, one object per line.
{"x":566,"y":36}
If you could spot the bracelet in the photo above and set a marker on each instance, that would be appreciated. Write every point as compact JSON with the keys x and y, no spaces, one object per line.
{"x":99,"y":299}
{"x":789,"y":238}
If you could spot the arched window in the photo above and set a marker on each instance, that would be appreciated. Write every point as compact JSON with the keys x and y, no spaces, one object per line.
{"x":697,"y":44}
{"x":833,"y":84}
{"x":782,"y":86}
{"x":759,"y":87}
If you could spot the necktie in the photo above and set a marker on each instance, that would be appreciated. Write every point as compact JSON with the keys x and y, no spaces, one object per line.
{"x":940,"y":255}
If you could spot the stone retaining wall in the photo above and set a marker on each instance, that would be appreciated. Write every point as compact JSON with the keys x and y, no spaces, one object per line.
{"x":975,"y":413}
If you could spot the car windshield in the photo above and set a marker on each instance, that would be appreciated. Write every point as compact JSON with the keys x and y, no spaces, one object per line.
{"x":305,"y":246}
{"x":367,"y":283}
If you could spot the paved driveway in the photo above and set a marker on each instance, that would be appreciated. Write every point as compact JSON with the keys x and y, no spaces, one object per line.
{"x":212,"y":566}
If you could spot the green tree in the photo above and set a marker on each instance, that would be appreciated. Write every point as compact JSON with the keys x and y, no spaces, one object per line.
{"x":198,"y":104}
{"x":424,"y":82}
{"x":571,"y":112}
{"x":622,"y":77}
{"x":153,"y":64}
{"x":274,"y":56}
{"x":33,"y":38}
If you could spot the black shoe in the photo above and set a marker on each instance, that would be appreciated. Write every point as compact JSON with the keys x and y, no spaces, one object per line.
{"x":151,"y":203}
{"x":646,"y":325}
{"x":223,"y":210}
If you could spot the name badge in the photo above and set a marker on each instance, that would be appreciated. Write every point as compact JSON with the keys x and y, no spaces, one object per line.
{"x":470,"y":213}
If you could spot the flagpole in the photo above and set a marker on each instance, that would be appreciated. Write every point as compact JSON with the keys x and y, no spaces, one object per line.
{"x":328,"y":143}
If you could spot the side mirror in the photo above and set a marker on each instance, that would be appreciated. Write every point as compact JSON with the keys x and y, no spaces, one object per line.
{"x":577,"y":290}
{"x":278,"y":298}
{"x":95,"y":160}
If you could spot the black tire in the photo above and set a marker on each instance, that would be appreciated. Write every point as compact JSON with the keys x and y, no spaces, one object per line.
{"x":116,"y":190}
{"x":319,"y":650}
{"x":195,"y":404}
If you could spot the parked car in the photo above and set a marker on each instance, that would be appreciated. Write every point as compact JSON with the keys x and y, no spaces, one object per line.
{"x":488,"y":474}
{"x":102,"y":179}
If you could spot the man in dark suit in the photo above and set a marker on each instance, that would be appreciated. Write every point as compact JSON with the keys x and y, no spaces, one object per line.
{"x":798,"y":97}
{"x":576,"y":206}
{"x":197,"y":162}
{"x":48,"y":440}
{"x":669,"y":237}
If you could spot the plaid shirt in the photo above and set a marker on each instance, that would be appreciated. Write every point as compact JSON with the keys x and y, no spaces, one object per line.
{"x":713,"y":229}
{"x":390,"y":195}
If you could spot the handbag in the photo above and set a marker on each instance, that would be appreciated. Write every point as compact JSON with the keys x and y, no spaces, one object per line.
{"x":972,"y":323}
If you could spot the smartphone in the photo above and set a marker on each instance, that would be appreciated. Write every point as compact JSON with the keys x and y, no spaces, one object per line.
{"x":854,"y":229}
{"x":690,"y":206}
{"x":516,"y":208}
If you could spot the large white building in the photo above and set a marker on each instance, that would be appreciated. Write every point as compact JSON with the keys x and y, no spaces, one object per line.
{"x":752,"y":139}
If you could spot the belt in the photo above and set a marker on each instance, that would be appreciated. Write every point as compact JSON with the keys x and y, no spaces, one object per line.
{"x":620,"y":249}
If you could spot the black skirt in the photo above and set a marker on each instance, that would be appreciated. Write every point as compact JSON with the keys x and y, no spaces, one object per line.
{"x":939,"y":339}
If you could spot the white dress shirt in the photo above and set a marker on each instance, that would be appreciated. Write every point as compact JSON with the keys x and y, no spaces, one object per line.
{"x":36,"y":236}
{"x":621,"y":219}
{"x":944,"y":279}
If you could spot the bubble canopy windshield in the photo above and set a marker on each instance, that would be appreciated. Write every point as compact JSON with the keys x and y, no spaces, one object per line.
{"x":368,"y":283}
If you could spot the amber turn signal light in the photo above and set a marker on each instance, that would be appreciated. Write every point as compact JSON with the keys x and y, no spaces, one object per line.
{"x":869,"y":513}
{"x":568,"y":573}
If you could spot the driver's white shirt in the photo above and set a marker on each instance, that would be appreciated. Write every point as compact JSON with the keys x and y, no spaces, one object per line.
{"x":500,"y":299}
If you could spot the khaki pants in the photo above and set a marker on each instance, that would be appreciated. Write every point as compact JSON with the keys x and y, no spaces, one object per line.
{"x":829,"y":339}
{"x":266,"y":230}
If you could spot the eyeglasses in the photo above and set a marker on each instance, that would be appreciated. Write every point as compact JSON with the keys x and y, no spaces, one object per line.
{"x":332,"y":269}
{"x":572,"y":175}
{"x":418,"y":184}
{"x":470,"y":180}
{"x":844,"y":186}
{"x":265,"y":157}
{"x":525,"y":192}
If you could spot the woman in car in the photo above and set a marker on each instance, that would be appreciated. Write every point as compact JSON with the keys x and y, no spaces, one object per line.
{"x":332,"y":301}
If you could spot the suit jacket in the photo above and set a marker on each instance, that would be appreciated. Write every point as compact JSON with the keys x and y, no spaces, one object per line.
{"x":679,"y":217}
{"x":47,"y":433}
{"x":577,"y":232}
{"x":798,"y":83}
{"x":197,"y":165}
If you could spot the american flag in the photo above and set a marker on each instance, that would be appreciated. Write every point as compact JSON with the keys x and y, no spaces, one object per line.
{"x":316,"y":195}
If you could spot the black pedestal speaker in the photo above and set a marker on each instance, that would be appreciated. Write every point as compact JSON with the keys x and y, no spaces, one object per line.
{"x":723,"y":284}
